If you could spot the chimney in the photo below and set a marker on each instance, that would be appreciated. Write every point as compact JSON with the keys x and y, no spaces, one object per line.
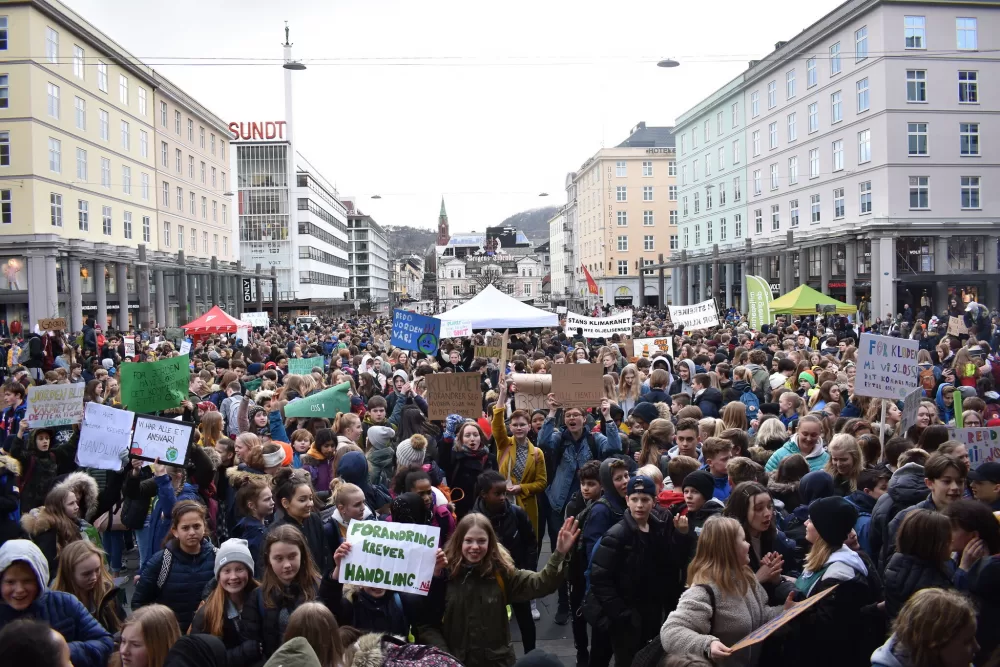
{"x":778,"y":45}
{"x":640,"y":126}
{"x":753,"y":63}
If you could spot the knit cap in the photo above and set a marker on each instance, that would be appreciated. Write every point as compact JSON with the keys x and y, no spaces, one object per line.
{"x":380,"y":436}
{"x":808,"y":377}
{"x":233,"y":551}
{"x":253,"y":412}
{"x":833,"y":518}
{"x":647,"y":412}
{"x":776,"y":380}
{"x":411,"y":451}
{"x":701,"y":481}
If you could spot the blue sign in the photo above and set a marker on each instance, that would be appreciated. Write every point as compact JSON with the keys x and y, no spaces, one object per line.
{"x":411,"y":331}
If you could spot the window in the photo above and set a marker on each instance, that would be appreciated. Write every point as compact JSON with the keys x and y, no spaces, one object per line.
{"x":756,"y":142}
{"x":916,"y":85}
{"x":736,"y":152}
{"x":916,"y":138}
{"x":55,"y":210}
{"x":919,"y":192}
{"x":814,"y":163}
{"x":706,"y":130}
{"x":671,"y":168}
{"x":647,"y":243}
{"x":190,"y":130}
{"x":694,"y":169}
{"x":177,"y":130}
{"x":968,"y":87}
{"x":970,"y":192}
{"x":180,"y":202}
{"x":647,"y":168}
{"x":965,"y":29}
{"x":865,"y":203}
{"x":673,"y":241}
{"x":5,"y":149}
{"x":225,"y":239}
{"x":774,"y":176}
{"x":723,"y":232}
{"x":914,"y":30}
{"x":126,"y":141}
{"x":684,"y":174}
{"x":166,"y":235}
{"x":126,"y":180}
{"x":793,"y":212}
{"x":684,"y":205}
{"x":143,"y":143}
{"x":80,"y":106}
{"x":215,"y":244}
{"x":789,"y":84}
{"x":180,"y":237}
{"x":836,"y":108}
{"x":734,"y":112}
{"x":123,"y":89}
{"x":4,"y":90}
{"x":838,"y":203}
{"x":53,"y":100}
{"x":81,"y":165}
{"x":163,"y":114}
{"x":813,"y":117}
{"x":835,"y":59}
{"x":736,"y":189}
{"x":738,"y":226}
{"x":145,"y":229}
{"x":3,"y":33}
{"x":83,"y":215}
{"x":620,"y":193}
{"x":758,"y":221}
{"x":191,"y":203}
{"x":204,"y":242}
{"x":862,"y":88}
{"x":697,"y":203}
{"x":814,"y":208}
{"x":202,"y":172}
{"x":225,"y":221}
{"x":622,"y":267}
{"x":793,"y":170}
{"x":755,"y":104}
{"x":620,"y":168}
{"x":718,"y":124}
{"x":215,"y":211}
{"x":672,"y":192}
{"x":127,"y":219}
{"x":55,"y":155}
{"x":164,"y":160}
{"x":772,"y":136}
{"x":214,"y":179}
{"x":194,"y":240}
{"x":697,"y":234}
{"x":811,"y":72}
{"x":722,"y":194}
{"x":647,"y":193}
{"x":104,"y":124}
{"x":673,"y":217}
{"x":775,"y":218}
{"x":622,"y":243}
{"x":166,"y":195}
{"x":106,"y":173}
{"x":708,"y":197}
{"x":722,"y":158}
{"x":78,"y":58}
{"x":201,"y":137}
{"x":969,"y":138}
{"x":622,"y":218}
{"x":191,"y":166}
{"x":144,"y":180}
{"x":709,"y":232}
{"x":102,"y":76}
{"x":838,"y":155}
{"x":52,"y":46}
{"x":864,"y":146}
{"x":141,"y":94}
{"x":756,"y":182}
{"x":861,"y":44}
{"x":213,"y":153}
{"x":792,"y":134}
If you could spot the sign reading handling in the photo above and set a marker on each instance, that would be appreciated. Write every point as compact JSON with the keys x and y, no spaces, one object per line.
{"x":394,"y":556}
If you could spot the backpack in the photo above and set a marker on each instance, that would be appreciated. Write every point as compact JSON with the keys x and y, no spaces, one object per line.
{"x":581,"y":521}
{"x":397,"y":652}
{"x":750,"y":400}
{"x":652,"y":653}
{"x":927,"y":380}
{"x":591,"y":442}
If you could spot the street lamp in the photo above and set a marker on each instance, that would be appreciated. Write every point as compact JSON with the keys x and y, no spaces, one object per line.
{"x":543,"y":194}
{"x":295,"y":65}
{"x":376,"y":196}
{"x":668,"y":62}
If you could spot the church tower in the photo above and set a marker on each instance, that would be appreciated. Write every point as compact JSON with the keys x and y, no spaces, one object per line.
{"x":443,"y":235}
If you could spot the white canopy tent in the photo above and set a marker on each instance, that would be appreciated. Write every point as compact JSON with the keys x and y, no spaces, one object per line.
{"x":492,"y":309}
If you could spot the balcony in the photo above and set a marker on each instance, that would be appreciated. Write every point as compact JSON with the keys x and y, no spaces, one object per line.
{"x":568,"y":269}
{"x":568,"y":248}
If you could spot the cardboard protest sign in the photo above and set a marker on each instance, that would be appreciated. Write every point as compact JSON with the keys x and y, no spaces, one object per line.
{"x":158,"y":438}
{"x":578,"y":385}
{"x":769,"y":628}
{"x":54,"y":405}
{"x":256,"y":319}
{"x":155,"y":385}
{"x":105,"y":437}
{"x":52,"y":323}
{"x":129,"y":346}
{"x":956,"y":326}
{"x":983,"y":444}
{"x":456,"y":328}
{"x":910,"y":406}
{"x":454,"y":393}
{"x":394,"y":556}
{"x":533,"y":390}
{"x":304,"y":366}
{"x":411,"y":331}
{"x":696,"y":316}
{"x":646,"y":347}
{"x":492,"y":349}
{"x":887,"y":367}
{"x":599,"y":327}
{"x":627,"y":346}
{"x":326,"y":403}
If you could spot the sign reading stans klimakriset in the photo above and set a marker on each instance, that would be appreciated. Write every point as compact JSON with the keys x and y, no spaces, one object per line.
{"x":395,"y":556}
{"x":600,"y":327}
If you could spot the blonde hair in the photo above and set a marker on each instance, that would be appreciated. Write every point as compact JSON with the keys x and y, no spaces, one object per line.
{"x":846,"y":444}
{"x":340,"y":490}
{"x":624,"y":392}
{"x":158,"y":627}
{"x":651,"y":471}
{"x":715,"y":561}
{"x":610,"y":390}
{"x":659,"y":431}
{"x":929,"y":621}
{"x":70,"y":558}
{"x":734,"y":415}
{"x":344,"y":421}
{"x":818,"y":554}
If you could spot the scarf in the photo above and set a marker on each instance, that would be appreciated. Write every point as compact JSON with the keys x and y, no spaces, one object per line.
{"x":520,"y":461}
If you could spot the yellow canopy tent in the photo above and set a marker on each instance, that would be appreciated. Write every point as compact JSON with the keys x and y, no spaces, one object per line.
{"x":803,"y":301}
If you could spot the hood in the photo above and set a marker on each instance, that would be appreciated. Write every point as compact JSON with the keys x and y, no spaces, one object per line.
{"x":741,"y":386}
{"x":849,"y":557}
{"x":675,"y":451}
{"x":691,"y":369}
{"x":295,"y":652}
{"x":26,"y":551}
{"x":783,"y":488}
{"x":885,"y":656}
{"x":712,"y":395}
{"x":238,"y":478}
{"x":315,"y":453}
{"x":943,"y":410}
{"x":815,"y":485}
{"x":85,"y":488}
{"x":37,"y":521}
{"x":862,"y":501}
{"x":607,"y":483}
{"x":794,"y":442}
{"x":368,"y":651}
{"x":906,"y":486}
{"x":9,"y":463}
{"x":353,"y":468}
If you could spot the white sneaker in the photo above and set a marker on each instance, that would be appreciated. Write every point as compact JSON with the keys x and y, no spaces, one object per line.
{"x":534,"y":611}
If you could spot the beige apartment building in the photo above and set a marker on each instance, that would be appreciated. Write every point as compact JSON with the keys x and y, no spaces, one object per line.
{"x":622,"y":211}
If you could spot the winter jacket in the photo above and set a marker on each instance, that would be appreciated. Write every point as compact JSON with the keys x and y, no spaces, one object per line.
{"x":267,"y":624}
{"x":606,"y":511}
{"x":322,"y":543}
{"x":533,"y":480}
{"x":381,"y":465}
{"x":514,"y":531}
{"x":186,"y":578}
{"x":564,"y":480}
{"x":382,"y":614}
{"x":240,"y":651}
{"x":945,"y":412}
{"x":906,"y":488}
{"x":696,"y":521}
{"x":319,"y":468}
{"x":159,"y":517}
{"x":90,"y":645}
{"x":786,"y":492}
{"x":40,"y":469}
{"x":709,"y":401}
{"x":252,"y":530}
{"x":10,"y":499}
{"x":466,"y":468}
{"x":40,"y":527}
{"x":891,"y":654}
{"x":816,"y":460}
{"x":889,"y":548}
{"x":982,"y":582}
{"x":865,"y":505}
{"x":905,"y":575}
{"x":679,"y":386}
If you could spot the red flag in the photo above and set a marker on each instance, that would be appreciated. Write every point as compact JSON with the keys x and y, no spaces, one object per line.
{"x":591,"y":285}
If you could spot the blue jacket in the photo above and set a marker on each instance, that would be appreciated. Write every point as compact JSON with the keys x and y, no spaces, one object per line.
{"x":251,"y":530}
{"x":186,"y":579}
{"x":159,"y":517}
{"x":276,"y":427}
{"x":816,"y":460}
{"x":722,"y":488}
{"x":865,"y":505}
{"x":565,"y":480}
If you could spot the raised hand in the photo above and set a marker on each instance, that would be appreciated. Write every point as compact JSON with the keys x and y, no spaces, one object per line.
{"x":567,"y":536}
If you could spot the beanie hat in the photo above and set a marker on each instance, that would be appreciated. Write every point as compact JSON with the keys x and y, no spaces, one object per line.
{"x":254,"y":368}
{"x":815,"y":485}
{"x":776,"y":380}
{"x":380,"y":436}
{"x":641,"y":484}
{"x":701,"y":481}
{"x":253,"y":412}
{"x":233,"y":551}
{"x":647,"y":412}
{"x":833,"y":518}
{"x":411,"y":451}
{"x":808,"y":377}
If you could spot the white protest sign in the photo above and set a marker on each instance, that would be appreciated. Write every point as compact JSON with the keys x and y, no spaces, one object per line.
{"x":911,"y":404}
{"x":887,"y":367}
{"x":159,"y":438}
{"x":395,"y":556}
{"x":243,"y":334}
{"x":104,"y":437}
{"x":600,"y":327}
{"x":54,"y":405}
{"x":560,"y":310}
{"x":256,"y":319}
{"x":185,"y":346}
{"x":646,"y":347}
{"x":456,"y":328}
{"x":982,"y":444}
{"x":696,"y":316}
{"x":130,"y":346}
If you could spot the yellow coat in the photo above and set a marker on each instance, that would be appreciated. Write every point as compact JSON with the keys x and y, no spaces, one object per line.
{"x":533,"y":480}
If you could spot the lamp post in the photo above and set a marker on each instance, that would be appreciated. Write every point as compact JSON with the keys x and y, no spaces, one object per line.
{"x":289,"y":66}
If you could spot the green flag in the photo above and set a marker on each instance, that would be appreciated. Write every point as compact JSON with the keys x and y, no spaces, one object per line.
{"x":253,"y":385}
{"x":758,"y":302}
{"x":326,"y":403}
{"x":155,"y":385}
{"x":304,"y":366}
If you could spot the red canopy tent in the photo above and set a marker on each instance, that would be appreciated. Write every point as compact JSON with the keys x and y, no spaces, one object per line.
{"x":214,"y":321}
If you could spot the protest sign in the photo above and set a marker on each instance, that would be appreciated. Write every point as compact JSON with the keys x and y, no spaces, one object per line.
{"x":646,"y":347}
{"x":578,"y":385}
{"x":304,"y":366}
{"x":105,"y":436}
{"x":54,"y":405}
{"x":492,"y":349}
{"x":533,"y":390}
{"x":766,"y":630}
{"x":887,"y":367}
{"x":696,"y":316}
{"x":394,"y":556}
{"x":256,"y":319}
{"x":326,"y":403}
{"x":759,"y":300}
{"x":983,"y":444}
{"x":454,"y":393}
{"x":910,"y":406}
{"x":599,"y":327}
{"x":627,"y":347}
{"x":411,"y":331}
{"x":956,"y":326}
{"x":253,"y":385}
{"x":185,"y":346}
{"x":129,"y":346}
{"x":158,"y":438}
{"x":52,"y":324}
{"x":155,"y":385}
{"x":560,"y":310}
{"x":456,"y":328}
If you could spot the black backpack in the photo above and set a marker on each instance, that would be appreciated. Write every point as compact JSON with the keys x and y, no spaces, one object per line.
{"x":652,"y":653}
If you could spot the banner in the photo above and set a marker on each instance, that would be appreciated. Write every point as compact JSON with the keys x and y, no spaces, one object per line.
{"x":533,"y":390}
{"x":697,"y":316}
{"x":394,"y":556}
{"x":326,"y":403}
{"x":578,"y":385}
{"x":454,"y":393}
{"x":887,"y":367}
{"x":599,"y":327}
{"x":105,"y":437}
{"x":253,"y":385}
{"x":758,"y":302}
{"x":155,"y":385}
{"x":646,"y":347}
{"x":258,"y":319}
{"x":456,"y":328}
{"x":411,"y":331}
{"x":54,"y":405}
{"x":129,"y":346}
{"x":304,"y":366}
{"x":983,"y":444}
{"x":159,"y":438}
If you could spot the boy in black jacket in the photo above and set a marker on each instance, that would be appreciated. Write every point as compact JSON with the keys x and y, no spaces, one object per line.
{"x":590,"y":491}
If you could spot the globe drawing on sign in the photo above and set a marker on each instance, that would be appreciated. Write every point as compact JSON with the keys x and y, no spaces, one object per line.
{"x":171,"y":454}
{"x":428,"y":341}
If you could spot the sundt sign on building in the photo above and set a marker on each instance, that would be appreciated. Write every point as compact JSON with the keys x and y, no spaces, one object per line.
{"x":264,"y":130}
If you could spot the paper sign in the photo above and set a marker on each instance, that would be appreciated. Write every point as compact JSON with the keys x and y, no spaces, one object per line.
{"x":647,"y":347}
{"x":504,"y":341}
{"x":326,"y":403}
{"x":560,"y":310}
{"x":627,"y":347}
{"x":185,"y":346}
{"x":256,"y":319}
{"x":52,"y":323}
{"x":159,"y":438}
{"x":887,"y":367}
{"x":578,"y":385}
{"x":766,"y":630}
{"x":956,"y":326}
{"x":304,"y":366}
{"x":533,"y":390}
{"x":454,"y":393}
{"x":105,"y":436}
{"x":983,"y":444}
{"x":456,"y":328}
{"x":411,"y":331}
{"x":910,"y":406}
{"x":492,"y":349}
{"x":394,"y":556}
{"x":696,"y":316}
{"x":599,"y":327}
{"x":129,"y":346}
{"x":155,"y":385}
{"x":55,"y":405}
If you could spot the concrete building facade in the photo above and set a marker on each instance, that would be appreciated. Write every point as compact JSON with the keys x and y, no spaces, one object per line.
{"x":368,"y":259}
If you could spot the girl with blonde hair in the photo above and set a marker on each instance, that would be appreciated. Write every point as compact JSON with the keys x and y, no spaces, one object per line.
{"x":845,"y":463}
{"x":210,"y":429}
{"x":348,"y":428}
{"x":656,"y":444}
{"x":629,"y":388}
{"x":935,"y":627}
{"x":610,"y":389}
{"x":147,"y":637}
{"x":83,"y":573}
{"x":734,"y":415}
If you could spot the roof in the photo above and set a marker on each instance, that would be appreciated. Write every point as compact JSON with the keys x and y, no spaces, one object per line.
{"x":214,"y":321}
{"x":444,"y":213}
{"x":648,"y":137}
{"x":492,"y":309}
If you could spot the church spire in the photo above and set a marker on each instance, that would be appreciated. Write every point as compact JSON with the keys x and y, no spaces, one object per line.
{"x":444,"y":213}
{"x":443,"y":233}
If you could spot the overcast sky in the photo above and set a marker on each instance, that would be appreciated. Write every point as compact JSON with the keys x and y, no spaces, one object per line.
{"x":498,"y":102}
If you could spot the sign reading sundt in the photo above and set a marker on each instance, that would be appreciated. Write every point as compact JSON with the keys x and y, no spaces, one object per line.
{"x":269,"y":129}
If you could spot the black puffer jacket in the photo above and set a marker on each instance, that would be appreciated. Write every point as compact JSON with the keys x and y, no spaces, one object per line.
{"x":466,"y":468}
{"x":240,"y":651}
{"x":905,"y":575}
{"x":515,"y":532}
{"x":906,"y":489}
{"x":267,"y":625}
{"x":186,"y":578}
{"x":322,"y":542}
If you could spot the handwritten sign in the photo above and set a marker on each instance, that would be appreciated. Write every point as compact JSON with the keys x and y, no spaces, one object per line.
{"x":910,"y":406}
{"x":394,"y":556}
{"x":304,"y":366}
{"x":256,"y":319}
{"x":326,"y":403}
{"x":887,"y":367}
{"x":492,"y":349}
{"x":532,"y":390}
{"x":599,"y":327}
{"x":454,"y":393}
{"x":129,"y":346}
{"x":456,"y":328}
{"x":411,"y":331}
{"x":647,"y":347}
{"x":696,"y":316}
{"x":158,"y":438}
{"x":105,"y":437}
{"x":155,"y":385}
{"x":578,"y":385}
{"x":983,"y":444}
{"x":54,"y":405}
{"x":956,"y":327}
{"x":769,"y":628}
{"x":185,"y":346}
{"x":52,"y":323}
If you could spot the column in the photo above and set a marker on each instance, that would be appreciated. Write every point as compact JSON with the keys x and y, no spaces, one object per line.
{"x":183,"y":314}
{"x":702,"y":281}
{"x":803,"y":255}
{"x":203,"y":291}
{"x":75,"y":296}
{"x":888,"y":250}
{"x":941,"y":271}
{"x":260,"y":292}
{"x":784,"y":259}
{"x":237,"y":289}
{"x":223,"y":281}
{"x":991,"y":270}
{"x":660,"y":284}
{"x":825,"y":263}
{"x":716,"y":280}
{"x":122,"y":278}
{"x":214,"y":282}
{"x":850,"y":269}
{"x":274,"y":291}
{"x":192,"y":295}
{"x":876,"y":271}
{"x":142,"y":287}
{"x":160,"y":304}
{"x":747,"y":268}
{"x":642,"y":285}
{"x":101,"y":294}
{"x":730,"y":271}
{"x":691,"y":279}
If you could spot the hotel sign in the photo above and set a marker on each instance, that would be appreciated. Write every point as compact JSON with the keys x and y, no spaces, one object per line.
{"x":257,"y":131}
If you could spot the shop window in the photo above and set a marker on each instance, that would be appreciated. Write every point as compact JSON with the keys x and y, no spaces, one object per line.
{"x":864,"y":256}
{"x":965,"y":254}
{"x":915,"y":254}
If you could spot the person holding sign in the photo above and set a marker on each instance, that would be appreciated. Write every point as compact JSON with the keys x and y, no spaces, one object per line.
{"x":518,"y":460}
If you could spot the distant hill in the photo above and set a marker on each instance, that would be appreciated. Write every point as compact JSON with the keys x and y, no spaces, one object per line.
{"x":534,"y":223}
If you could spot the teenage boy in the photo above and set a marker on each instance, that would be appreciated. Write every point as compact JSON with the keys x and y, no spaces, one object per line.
{"x":700,"y":504}
{"x":872,"y":483}
{"x":986,"y":484}
{"x":590,"y":491}
{"x":717,"y":453}
{"x":13,"y":412}
{"x":677,"y":402}
{"x":706,"y":397}
{"x":376,"y":416}
{"x":686,"y":439}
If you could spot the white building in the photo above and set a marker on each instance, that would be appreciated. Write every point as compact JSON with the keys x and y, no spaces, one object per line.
{"x":503,"y":257}
{"x":369,"y":260}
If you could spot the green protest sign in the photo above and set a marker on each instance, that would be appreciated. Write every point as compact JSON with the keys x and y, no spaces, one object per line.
{"x":253,"y":385}
{"x":155,"y":385}
{"x":395,"y":556}
{"x":304,"y":366}
{"x":326,"y":403}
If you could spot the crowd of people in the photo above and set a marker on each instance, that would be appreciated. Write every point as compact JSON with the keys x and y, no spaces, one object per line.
{"x":711,"y":489}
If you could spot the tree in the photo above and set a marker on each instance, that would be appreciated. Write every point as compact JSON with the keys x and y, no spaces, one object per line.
{"x":491,"y":277}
